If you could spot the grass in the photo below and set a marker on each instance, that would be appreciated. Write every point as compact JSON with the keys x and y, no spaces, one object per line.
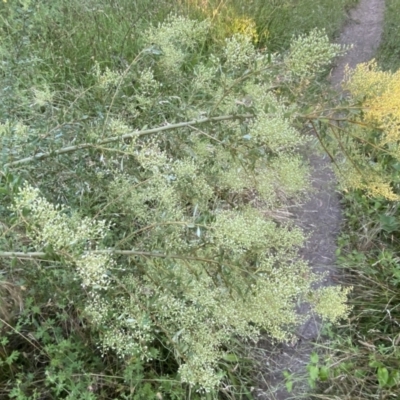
{"x":389,"y":51}
{"x":363,"y":356}
{"x":276,"y":21}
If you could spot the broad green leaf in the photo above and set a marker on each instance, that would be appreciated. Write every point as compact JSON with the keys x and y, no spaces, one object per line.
{"x":383,"y":376}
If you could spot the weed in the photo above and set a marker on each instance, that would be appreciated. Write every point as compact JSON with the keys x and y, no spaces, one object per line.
{"x":363,"y":356}
{"x":112,"y":111}
{"x":389,"y":50}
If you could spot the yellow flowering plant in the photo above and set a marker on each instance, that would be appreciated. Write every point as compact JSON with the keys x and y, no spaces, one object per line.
{"x":366,"y":141}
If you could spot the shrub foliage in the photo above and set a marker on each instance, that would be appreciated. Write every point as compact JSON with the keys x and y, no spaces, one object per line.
{"x":140,"y":206}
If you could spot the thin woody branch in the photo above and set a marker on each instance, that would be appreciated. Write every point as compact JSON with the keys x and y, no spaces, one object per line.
{"x":41,"y":254}
{"x":128,"y":136}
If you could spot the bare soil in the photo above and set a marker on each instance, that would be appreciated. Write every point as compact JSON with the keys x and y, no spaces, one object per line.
{"x":320,"y":219}
{"x":363,"y":30}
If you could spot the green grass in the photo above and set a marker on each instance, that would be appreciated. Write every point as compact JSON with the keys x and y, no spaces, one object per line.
{"x":276,"y":20}
{"x":363,"y":356}
{"x":389,"y":51}
{"x":297,"y":17}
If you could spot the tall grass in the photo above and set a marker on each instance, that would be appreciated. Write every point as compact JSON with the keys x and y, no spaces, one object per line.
{"x":389,"y":51}
{"x":363,"y":356}
{"x":276,"y":20}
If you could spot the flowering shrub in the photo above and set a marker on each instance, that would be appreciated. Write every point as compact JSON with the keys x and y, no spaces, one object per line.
{"x":368,"y":149}
{"x":186,"y":260}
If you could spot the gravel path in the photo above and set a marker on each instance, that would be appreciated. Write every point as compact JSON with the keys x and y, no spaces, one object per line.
{"x":320,"y":217}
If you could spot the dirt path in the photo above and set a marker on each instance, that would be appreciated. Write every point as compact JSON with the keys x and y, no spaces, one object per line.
{"x":320,"y":217}
{"x":364,"y":30}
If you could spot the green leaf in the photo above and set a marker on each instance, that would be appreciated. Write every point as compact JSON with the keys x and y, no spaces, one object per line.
{"x":288,"y":381}
{"x":230,"y":357}
{"x":12,"y":357}
{"x":153,"y":50}
{"x":311,"y":383}
{"x":313,"y":371}
{"x":383,"y":376}
{"x":394,"y":378}
{"x":314,"y":358}
{"x":375,"y":364}
{"x":388,"y":223}
{"x":324,"y":373}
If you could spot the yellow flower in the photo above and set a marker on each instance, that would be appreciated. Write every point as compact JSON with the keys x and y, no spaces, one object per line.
{"x":381,"y":91}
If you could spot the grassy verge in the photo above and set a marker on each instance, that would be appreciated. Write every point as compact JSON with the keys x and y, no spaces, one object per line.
{"x":275,"y":21}
{"x":364,"y":355}
{"x":389,"y":51}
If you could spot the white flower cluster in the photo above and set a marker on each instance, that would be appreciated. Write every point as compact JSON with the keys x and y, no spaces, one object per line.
{"x":42,"y":96}
{"x":129,"y":327}
{"x":247,"y":230}
{"x":148,"y":89}
{"x":152,"y":158}
{"x":191,"y":181}
{"x":93,"y":270}
{"x":16,"y":131}
{"x":243,"y":232}
{"x":148,"y":84}
{"x":203,"y":78}
{"x":118,"y":127}
{"x":51,"y":225}
{"x":309,"y":53}
{"x":286,"y":176}
{"x":200,"y":322}
{"x":331,"y":302}
{"x":279,"y":285}
{"x":230,"y":172}
{"x":175,"y":38}
{"x":239,"y":52}
{"x":156,"y":201}
{"x":275,"y":132}
{"x":106,"y":79}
